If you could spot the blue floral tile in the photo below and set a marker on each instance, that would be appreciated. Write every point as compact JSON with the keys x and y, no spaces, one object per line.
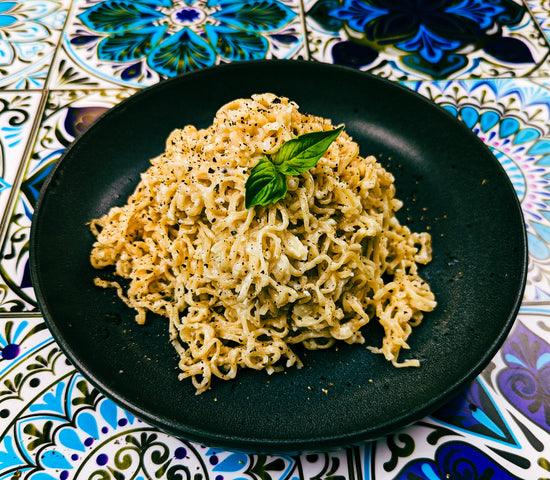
{"x":55,"y":425}
{"x":405,"y":40}
{"x":524,"y":379}
{"x":497,"y":427}
{"x":63,"y":63}
{"x":139,"y":43}
{"x":512,"y":117}
{"x":29,"y":32}
{"x":66,"y":115}
{"x":520,"y":373}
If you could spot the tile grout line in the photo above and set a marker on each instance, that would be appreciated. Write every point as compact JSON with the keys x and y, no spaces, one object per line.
{"x":14,"y":195}
{"x":59,"y":45}
{"x":304,"y":28}
{"x":23,"y":165}
{"x":21,"y":315}
{"x":15,"y":189}
{"x":535,"y":303}
{"x":537,"y":25}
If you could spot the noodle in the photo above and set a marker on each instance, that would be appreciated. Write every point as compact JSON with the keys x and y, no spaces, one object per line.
{"x":239,"y":286}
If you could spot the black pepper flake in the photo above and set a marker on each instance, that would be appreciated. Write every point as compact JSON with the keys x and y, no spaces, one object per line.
{"x":210,"y":170}
{"x":276,"y":100}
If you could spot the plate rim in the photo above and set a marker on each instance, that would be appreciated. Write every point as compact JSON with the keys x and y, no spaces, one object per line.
{"x":248,"y":444}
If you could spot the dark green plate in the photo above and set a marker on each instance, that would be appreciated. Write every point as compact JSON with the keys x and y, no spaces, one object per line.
{"x":449,"y":181}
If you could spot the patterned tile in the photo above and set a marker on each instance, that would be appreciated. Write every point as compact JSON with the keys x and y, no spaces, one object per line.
{"x":18,"y":112}
{"x":70,"y":429}
{"x":405,"y":40}
{"x":76,"y":432}
{"x":57,"y":425}
{"x":498,"y":424}
{"x":512,"y":117}
{"x":117,"y":42}
{"x":29,"y":32}
{"x":541,"y":13}
{"x":66,"y":115}
{"x":63,"y":62}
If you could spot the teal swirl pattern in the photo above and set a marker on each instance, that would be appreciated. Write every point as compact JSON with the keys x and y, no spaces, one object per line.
{"x":172,"y":37}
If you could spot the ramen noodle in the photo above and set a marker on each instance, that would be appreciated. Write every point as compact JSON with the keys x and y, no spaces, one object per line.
{"x":241,"y":287}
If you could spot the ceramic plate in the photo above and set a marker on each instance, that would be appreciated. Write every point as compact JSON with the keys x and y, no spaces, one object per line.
{"x":449,"y":182}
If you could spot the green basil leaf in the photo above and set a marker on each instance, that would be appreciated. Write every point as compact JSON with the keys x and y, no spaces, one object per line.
{"x":303,"y":152}
{"x":267,"y":180}
{"x":265,"y":184}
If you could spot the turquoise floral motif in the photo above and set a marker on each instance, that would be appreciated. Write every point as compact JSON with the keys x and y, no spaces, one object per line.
{"x":73,"y":431}
{"x":26,"y":37}
{"x":514,"y":123}
{"x":13,"y":336}
{"x":172,"y":37}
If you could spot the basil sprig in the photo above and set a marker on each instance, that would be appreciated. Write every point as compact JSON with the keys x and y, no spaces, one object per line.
{"x":267,"y":181}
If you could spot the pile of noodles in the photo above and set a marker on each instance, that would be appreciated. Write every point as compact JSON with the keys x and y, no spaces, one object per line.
{"x":240,"y":286}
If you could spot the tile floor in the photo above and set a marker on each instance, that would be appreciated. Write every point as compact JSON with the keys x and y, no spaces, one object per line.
{"x":63,"y":63}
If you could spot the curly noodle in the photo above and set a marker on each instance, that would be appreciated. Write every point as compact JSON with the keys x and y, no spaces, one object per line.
{"x":241,"y":286}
